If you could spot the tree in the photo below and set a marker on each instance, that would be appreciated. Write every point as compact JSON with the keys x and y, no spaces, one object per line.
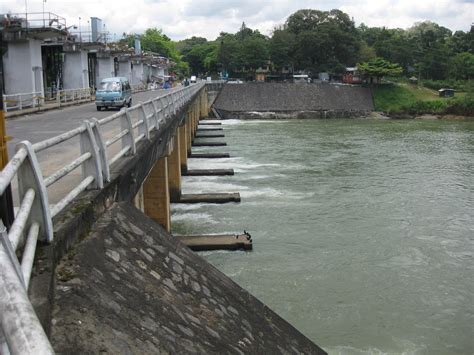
{"x":187,"y":45}
{"x":154,"y":40}
{"x":461,"y":66}
{"x":253,"y":53}
{"x":281,"y":48}
{"x":323,"y":40}
{"x":379,"y":67}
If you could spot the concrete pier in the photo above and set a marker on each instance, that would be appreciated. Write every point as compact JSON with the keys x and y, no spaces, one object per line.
{"x":210,"y":198}
{"x":209,"y":155}
{"x":174,"y":169}
{"x":209,"y":135}
{"x":209,"y":144}
{"x":217,"y":242}
{"x":201,"y":123}
{"x":156,"y":194}
{"x":209,"y":129}
{"x":208,"y":172}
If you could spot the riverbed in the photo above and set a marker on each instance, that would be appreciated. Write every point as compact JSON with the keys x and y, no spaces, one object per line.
{"x":363,"y":229}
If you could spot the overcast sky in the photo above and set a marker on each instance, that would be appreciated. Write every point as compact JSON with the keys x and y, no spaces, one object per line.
{"x":181,"y":19}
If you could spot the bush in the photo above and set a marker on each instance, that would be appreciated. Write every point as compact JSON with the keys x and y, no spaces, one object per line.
{"x":463,"y":106}
{"x":424,"y":107}
{"x":459,"y":85}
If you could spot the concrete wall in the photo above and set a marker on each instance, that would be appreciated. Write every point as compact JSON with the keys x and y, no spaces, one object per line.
{"x":76,"y":75}
{"x":104,"y":69}
{"x":125,"y":69}
{"x":22,"y":67}
{"x":293,"y":99}
{"x":137,"y":74}
{"x":158,"y":72}
{"x":146,"y":72}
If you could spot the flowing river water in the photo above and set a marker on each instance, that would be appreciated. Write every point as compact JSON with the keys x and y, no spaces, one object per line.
{"x":363,"y":230}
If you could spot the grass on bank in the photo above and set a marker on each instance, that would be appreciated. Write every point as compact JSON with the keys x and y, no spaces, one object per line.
{"x":412,"y":99}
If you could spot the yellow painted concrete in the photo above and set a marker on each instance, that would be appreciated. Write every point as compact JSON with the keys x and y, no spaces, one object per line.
{"x":156,"y":194}
{"x":174,"y":170}
{"x":183,"y":147}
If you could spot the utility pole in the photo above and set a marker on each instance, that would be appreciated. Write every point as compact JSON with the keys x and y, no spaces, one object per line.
{"x":6,"y":201}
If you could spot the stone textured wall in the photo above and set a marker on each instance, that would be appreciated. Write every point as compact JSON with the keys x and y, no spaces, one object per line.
{"x":131,"y":288}
{"x":287,"y":97}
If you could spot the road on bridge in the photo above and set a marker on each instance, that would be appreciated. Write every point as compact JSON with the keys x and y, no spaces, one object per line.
{"x":39,"y":126}
{"x":43,"y":125}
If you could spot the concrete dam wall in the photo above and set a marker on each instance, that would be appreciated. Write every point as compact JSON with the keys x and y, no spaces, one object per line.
{"x":288,"y":100}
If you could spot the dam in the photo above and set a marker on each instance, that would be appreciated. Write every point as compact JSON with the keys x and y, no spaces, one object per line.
{"x":345,"y":248}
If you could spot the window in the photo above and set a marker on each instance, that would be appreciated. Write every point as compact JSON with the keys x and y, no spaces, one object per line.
{"x":109,"y":86}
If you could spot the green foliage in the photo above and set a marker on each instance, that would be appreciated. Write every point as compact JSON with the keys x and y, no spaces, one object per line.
{"x":404,"y":99}
{"x":154,"y":40}
{"x":458,"y":85}
{"x":323,"y":40}
{"x":281,"y":48}
{"x":461,"y":66}
{"x":390,"y":97}
{"x":314,"y":41}
{"x":379,"y":67}
{"x":426,"y":107}
{"x":461,"y":106}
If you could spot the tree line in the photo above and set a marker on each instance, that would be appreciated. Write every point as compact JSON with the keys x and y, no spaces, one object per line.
{"x":314,"y":41}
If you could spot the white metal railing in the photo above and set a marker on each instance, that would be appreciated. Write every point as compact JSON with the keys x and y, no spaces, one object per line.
{"x":70,"y":95}
{"x":20,"y":330}
{"x":23,"y":100}
{"x":36,"y":99}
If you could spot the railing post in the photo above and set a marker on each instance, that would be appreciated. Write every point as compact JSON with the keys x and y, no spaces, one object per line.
{"x":20,"y":105}
{"x":164,"y":107}
{"x":92,"y":166}
{"x":145,"y":128}
{"x":155,"y":114}
{"x":128,"y":139}
{"x":31,"y":177}
{"x":104,"y":162}
{"x":174,"y":98}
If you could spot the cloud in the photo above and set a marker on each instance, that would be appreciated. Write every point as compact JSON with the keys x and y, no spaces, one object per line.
{"x":181,"y":19}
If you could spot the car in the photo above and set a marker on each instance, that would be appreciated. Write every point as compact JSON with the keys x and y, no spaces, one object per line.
{"x":113,"y":92}
{"x":193,"y":79}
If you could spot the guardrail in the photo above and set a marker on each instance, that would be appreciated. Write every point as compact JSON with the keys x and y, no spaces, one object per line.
{"x":35,"y":20}
{"x":20,"y":330}
{"x":37,"y":99}
{"x":23,"y":100}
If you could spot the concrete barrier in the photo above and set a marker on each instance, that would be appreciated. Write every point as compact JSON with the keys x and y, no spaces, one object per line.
{"x":287,"y":100}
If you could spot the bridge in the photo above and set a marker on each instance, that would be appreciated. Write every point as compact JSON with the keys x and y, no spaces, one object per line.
{"x":99,"y":270}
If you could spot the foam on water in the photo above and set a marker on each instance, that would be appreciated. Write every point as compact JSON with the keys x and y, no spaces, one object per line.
{"x":200,"y":218}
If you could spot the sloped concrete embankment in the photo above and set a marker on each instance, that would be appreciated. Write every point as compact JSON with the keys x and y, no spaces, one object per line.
{"x":129,"y":287}
{"x":287,"y":100}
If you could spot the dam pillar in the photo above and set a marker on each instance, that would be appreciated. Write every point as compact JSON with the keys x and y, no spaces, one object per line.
{"x":174,"y":169}
{"x":204,"y":107}
{"x":189,"y":131}
{"x":156,"y":197}
{"x":183,"y":147}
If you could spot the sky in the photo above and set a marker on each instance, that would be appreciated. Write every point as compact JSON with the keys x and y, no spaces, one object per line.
{"x":180,"y":19}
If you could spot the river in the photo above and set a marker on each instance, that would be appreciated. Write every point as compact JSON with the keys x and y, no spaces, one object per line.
{"x":363,"y":230}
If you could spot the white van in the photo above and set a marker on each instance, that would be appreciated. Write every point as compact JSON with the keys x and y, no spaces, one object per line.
{"x":193,"y":79}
